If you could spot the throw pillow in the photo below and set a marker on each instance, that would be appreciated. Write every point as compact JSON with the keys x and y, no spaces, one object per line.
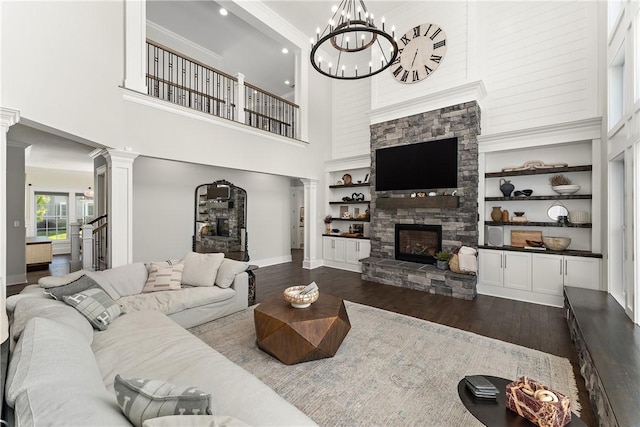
{"x":94,"y":304}
{"x":141,"y":399}
{"x":81,"y":284}
{"x":163,"y":278}
{"x":201,"y":269}
{"x":194,"y":421}
{"x":54,"y":281}
{"x":228,"y":270}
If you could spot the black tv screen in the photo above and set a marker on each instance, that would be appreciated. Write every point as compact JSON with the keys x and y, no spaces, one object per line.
{"x":422,"y":166}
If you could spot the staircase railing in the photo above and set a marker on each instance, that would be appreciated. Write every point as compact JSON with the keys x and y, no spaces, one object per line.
{"x":176,"y":78}
{"x":95,"y":251}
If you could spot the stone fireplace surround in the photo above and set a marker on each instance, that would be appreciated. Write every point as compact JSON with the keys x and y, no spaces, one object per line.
{"x":459,"y":218}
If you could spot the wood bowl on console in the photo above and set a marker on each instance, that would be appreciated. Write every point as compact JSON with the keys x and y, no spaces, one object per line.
{"x":556,"y":243}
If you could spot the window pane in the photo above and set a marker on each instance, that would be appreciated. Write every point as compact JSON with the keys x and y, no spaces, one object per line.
{"x":51,"y":215}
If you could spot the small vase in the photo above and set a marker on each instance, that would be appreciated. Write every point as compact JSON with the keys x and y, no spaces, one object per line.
{"x":496,"y":214}
{"x":328,"y":228}
{"x":506,"y":187}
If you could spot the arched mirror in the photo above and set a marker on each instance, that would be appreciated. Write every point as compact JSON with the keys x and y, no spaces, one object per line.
{"x":221,"y":220}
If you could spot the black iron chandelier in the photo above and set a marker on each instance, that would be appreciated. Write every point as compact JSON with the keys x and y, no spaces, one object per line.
{"x":356,"y":47}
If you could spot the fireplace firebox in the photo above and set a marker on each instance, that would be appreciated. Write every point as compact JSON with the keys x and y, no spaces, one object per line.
{"x":418,"y":242}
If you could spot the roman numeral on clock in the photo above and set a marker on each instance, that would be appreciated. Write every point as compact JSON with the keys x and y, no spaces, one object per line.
{"x":404,"y":39}
{"x":439,"y":44}
{"x":435,"y":33}
{"x":436,"y":58}
{"x":397,"y":71}
{"x":416,"y":31}
{"x":428,"y":70}
{"x":405,"y":75}
{"x":416,"y":76}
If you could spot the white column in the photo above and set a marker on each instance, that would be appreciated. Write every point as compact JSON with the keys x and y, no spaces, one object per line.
{"x":240,"y":97}
{"x":311,"y":221}
{"x":8,"y":118}
{"x":135,"y":12}
{"x":87,"y":247}
{"x":120,"y":194}
{"x":74,"y":263}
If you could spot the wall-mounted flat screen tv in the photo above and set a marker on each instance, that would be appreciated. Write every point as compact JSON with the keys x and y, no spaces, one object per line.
{"x":422,"y":166}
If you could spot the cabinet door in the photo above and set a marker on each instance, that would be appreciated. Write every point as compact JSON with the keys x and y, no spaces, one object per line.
{"x":328,"y":248}
{"x":364,"y":249}
{"x":352,"y":251}
{"x":517,"y":271}
{"x":340,"y":250}
{"x":490,"y":267}
{"x":582,"y":272}
{"x":548,"y":273}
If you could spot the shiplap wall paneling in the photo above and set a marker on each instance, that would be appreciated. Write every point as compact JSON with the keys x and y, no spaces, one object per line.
{"x":351,"y":102}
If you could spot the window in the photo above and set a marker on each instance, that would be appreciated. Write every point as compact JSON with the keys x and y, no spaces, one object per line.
{"x":52,"y":215}
{"x":84,"y":208}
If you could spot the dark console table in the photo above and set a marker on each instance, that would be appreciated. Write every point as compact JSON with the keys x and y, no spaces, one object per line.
{"x":495,"y":413}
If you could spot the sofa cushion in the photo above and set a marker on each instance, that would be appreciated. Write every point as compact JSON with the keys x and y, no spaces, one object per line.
{"x":29,"y":308}
{"x":141,"y":399}
{"x":169,"y":302}
{"x":194,"y":421}
{"x":228,"y":270}
{"x":201,"y":269}
{"x":30,"y":291}
{"x":55,"y":281}
{"x":94,"y":304}
{"x":150,"y":345}
{"x":122,"y":281}
{"x":53,"y":379}
{"x":163,"y":278}
{"x":82,"y":283}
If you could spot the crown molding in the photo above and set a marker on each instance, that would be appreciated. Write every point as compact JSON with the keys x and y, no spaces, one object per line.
{"x":473,"y":91}
{"x":579,"y":130}
{"x":9,"y":117}
{"x":354,"y":162}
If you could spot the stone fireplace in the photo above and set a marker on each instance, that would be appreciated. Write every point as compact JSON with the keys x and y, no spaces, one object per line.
{"x":418,"y":242}
{"x":456,"y":214}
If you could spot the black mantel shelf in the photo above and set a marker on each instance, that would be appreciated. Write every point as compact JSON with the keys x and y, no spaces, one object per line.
{"x":445,"y":202}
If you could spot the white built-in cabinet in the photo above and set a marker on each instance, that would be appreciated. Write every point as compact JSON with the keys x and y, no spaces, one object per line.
{"x":552,"y":272}
{"x":505,"y":269}
{"x":534,"y":277}
{"x":345,"y":253}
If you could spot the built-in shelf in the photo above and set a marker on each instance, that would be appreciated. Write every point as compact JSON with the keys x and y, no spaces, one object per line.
{"x":353,"y":202}
{"x":350,"y":219}
{"x":446,"y":202}
{"x":524,"y":199}
{"x":538,"y":224}
{"x":584,"y":168}
{"x":363,"y":184}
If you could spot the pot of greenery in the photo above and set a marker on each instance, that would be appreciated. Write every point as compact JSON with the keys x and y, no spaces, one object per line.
{"x":442,"y":260}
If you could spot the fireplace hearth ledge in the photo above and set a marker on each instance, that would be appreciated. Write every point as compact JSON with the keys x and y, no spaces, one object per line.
{"x":422,"y":277}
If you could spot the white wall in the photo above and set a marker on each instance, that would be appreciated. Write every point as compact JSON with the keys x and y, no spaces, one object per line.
{"x":164,"y":206}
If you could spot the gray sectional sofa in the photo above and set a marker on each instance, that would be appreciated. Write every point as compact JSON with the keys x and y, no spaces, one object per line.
{"x":62,"y":370}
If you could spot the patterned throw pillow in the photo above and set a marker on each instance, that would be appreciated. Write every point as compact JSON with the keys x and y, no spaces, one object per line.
{"x":163,"y":278}
{"x":94,"y":304}
{"x":80,"y":284}
{"x":142,"y":399}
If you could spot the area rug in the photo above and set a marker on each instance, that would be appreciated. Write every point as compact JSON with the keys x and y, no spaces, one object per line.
{"x":391,"y":369}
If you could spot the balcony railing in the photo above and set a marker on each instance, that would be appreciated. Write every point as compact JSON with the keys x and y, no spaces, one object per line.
{"x":176,"y":78}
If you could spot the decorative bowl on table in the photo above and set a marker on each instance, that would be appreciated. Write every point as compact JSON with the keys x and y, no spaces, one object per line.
{"x":292,"y":295}
{"x":566,"y":189}
{"x":556,"y":243}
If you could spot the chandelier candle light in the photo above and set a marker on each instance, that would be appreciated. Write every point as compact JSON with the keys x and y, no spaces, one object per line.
{"x":352,"y":39}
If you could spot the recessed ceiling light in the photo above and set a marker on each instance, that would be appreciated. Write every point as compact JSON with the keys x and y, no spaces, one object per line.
{"x":285,"y":50}
{"x":287,"y":82}
{"x":223,"y":11}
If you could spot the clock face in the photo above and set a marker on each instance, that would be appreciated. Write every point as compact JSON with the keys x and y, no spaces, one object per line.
{"x":420,"y":52}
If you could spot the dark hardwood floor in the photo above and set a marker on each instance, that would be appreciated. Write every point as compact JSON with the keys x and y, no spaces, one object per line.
{"x":530,"y":325}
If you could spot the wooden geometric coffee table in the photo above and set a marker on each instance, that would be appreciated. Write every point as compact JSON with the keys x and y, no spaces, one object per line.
{"x":295,"y":335}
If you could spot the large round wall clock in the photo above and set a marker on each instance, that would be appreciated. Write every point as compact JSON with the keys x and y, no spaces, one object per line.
{"x":420,"y":51}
